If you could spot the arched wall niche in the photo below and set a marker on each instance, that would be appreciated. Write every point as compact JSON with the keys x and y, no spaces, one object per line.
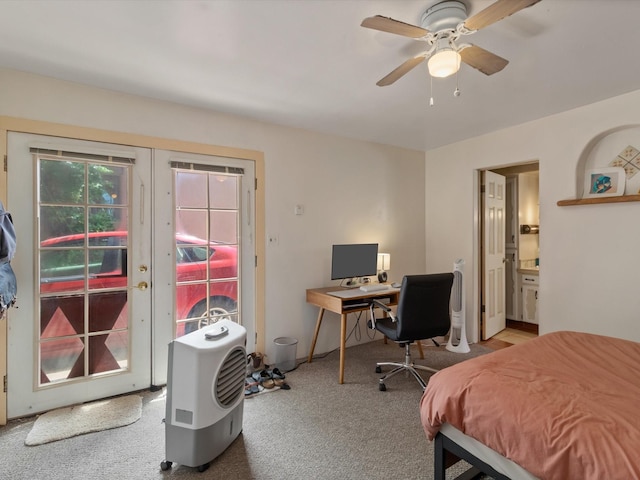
{"x":602,"y":149}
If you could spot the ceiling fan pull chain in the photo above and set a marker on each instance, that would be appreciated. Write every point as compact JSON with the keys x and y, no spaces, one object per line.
{"x":431,"y":98}
{"x":456,"y":92}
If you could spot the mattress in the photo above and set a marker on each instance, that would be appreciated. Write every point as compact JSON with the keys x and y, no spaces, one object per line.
{"x":560,"y":406}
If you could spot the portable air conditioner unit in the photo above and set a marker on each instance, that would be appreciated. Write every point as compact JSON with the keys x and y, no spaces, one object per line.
{"x":458,"y":331}
{"x":205,"y":394}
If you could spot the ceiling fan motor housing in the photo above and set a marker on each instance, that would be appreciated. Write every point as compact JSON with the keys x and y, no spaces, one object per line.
{"x":444,"y":16}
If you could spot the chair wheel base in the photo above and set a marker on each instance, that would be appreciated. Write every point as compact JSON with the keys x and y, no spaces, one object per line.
{"x":382,"y":387}
{"x":378,"y":370}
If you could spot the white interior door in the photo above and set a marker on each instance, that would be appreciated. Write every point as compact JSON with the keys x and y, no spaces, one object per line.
{"x":494,"y":256}
{"x":82,"y":329}
{"x":205,"y":223}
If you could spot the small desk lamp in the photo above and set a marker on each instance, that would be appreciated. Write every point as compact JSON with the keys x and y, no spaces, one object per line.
{"x":384,"y":264}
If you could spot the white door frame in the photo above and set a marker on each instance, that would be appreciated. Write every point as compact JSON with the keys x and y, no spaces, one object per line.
{"x":477,"y":256}
{"x":477,"y":245}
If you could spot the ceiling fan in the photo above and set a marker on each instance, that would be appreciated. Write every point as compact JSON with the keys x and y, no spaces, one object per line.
{"x":442,"y":25}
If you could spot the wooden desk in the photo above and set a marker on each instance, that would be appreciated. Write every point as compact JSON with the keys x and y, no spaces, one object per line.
{"x":343,"y":306}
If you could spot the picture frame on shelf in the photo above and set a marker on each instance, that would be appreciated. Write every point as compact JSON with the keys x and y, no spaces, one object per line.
{"x":604,"y":182}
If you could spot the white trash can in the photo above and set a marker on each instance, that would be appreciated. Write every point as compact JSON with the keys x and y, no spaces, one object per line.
{"x":286,"y":348}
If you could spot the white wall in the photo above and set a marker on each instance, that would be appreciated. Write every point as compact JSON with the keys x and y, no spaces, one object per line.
{"x":352,"y":191}
{"x":590,"y":265}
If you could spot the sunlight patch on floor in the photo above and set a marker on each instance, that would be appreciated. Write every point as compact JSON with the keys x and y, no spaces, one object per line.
{"x":514,"y":336}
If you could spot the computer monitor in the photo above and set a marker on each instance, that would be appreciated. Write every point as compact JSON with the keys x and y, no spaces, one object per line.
{"x":354,"y":260}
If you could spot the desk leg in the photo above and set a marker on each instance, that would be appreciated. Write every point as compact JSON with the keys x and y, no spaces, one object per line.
{"x":343,"y":341}
{"x":315,"y":335}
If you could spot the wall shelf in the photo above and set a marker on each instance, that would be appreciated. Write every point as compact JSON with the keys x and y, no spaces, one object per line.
{"x":591,"y":201}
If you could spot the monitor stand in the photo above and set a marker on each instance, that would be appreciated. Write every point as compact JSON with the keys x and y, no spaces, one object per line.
{"x":355,"y":282}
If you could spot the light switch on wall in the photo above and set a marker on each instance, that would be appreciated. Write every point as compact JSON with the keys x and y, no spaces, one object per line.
{"x":299,"y":210}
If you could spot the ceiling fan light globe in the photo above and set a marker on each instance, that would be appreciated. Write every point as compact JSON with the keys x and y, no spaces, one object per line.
{"x":444,"y":63}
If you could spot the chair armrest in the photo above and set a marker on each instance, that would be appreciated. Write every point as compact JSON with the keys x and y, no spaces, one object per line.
{"x":384,"y":307}
{"x":377,"y":303}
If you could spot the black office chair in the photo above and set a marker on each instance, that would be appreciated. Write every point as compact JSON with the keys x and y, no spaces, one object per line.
{"x":422,"y":313}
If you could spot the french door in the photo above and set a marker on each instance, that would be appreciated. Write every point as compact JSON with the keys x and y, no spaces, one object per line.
{"x":204,"y":210}
{"x":82,"y":328}
{"x":120,"y":250}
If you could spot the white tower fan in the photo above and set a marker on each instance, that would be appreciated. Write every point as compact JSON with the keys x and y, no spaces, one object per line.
{"x":205,"y":394}
{"x":458,"y":331}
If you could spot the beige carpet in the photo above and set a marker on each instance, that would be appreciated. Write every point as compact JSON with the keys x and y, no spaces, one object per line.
{"x":86,"y":418}
{"x":318,"y":430}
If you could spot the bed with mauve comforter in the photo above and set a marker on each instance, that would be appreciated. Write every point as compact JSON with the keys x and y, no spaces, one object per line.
{"x":565,"y":405}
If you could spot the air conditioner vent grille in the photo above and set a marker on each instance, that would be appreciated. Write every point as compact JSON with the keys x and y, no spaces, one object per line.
{"x":230,"y":382}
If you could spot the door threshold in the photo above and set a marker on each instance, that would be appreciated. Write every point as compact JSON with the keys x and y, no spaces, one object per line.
{"x":523,"y":326}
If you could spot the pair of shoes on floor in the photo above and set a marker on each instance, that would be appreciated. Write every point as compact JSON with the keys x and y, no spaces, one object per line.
{"x":251,"y":387}
{"x":278,"y":378}
{"x":270,"y":378}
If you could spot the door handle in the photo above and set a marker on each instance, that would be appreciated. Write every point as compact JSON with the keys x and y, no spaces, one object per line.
{"x":142,"y":286}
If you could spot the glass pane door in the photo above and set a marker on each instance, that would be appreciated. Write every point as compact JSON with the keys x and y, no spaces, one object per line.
{"x":82,"y":329}
{"x":205,"y":223}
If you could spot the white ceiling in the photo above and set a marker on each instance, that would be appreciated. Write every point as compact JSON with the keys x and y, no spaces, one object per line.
{"x":309,"y":63}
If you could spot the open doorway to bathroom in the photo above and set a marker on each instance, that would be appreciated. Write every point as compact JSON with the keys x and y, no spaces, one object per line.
{"x":517,"y":294}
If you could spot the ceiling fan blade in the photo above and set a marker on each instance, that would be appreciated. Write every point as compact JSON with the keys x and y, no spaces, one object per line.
{"x":389,"y":25}
{"x":495,"y":12}
{"x":483,"y":60}
{"x":403,"y":69}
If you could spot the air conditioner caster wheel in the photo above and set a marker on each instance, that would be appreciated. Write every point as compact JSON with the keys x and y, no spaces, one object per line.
{"x":164,"y":466}
{"x":203,"y":467}
{"x":382,"y":387}
{"x":378,"y":370}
